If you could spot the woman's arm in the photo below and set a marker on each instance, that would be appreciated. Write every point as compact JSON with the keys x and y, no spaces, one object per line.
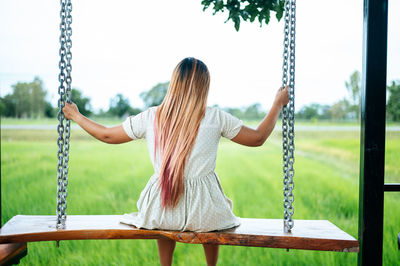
{"x":112,"y":135}
{"x":256,"y":137}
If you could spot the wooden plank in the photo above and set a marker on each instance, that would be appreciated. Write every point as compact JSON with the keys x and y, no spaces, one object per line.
{"x":307,"y":234}
{"x":12,"y":253}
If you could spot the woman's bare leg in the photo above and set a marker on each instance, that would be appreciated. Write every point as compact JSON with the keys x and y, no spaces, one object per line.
{"x":211,"y":252}
{"x":166,"y":251}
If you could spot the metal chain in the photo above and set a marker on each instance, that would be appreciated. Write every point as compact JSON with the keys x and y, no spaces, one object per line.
{"x":291,"y":109}
{"x":288,"y":112}
{"x":63,"y":129}
{"x":68,"y":81}
{"x":284,"y":110}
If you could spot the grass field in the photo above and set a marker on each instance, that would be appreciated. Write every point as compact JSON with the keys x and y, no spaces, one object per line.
{"x":115,"y":121}
{"x":107,"y":179}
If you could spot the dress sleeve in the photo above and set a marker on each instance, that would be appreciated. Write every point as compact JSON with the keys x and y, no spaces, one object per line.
{"x":135,"y":126}
{"x":230,"y":125}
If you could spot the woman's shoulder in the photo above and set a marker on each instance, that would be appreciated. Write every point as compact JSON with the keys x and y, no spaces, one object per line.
{"x":216,"y":112}
{"x":228,"y":123}
{"x":212,"y":112}
{"x":144,"y":116}
{"x":216,"y":115}
{"x":149,"y":112}
{"x":152,"y":109}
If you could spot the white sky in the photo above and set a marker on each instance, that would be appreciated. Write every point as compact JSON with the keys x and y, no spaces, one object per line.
{"x":127,"y":47}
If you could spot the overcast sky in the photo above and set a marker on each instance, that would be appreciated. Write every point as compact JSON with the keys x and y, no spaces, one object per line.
{"x":127,"y":47}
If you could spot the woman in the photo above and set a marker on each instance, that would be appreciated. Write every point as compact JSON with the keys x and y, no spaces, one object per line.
{"x":182,"y":135}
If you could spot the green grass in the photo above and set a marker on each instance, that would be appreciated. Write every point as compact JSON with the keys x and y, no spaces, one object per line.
{"x":116,"y":121}
{"x":108,"y":179}
{"x":53,"y":121}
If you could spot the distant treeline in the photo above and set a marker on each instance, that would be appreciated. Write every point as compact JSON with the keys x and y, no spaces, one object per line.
{"x":349,"y":108}
{"x":28,"y":100}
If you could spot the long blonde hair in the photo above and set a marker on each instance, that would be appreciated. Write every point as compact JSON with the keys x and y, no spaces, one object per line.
{"x":177,"y":123}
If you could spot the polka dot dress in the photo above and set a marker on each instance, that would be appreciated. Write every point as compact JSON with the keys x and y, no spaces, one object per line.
{"x":203,"y":206}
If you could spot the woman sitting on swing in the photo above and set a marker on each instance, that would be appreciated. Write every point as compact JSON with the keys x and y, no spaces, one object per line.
{"x":182,"y":136}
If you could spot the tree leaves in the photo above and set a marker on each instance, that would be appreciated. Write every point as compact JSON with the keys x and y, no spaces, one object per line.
{"x":81,"y":101}
{"x":393,"y":105}
{"x":155,"y":95}
{"x":120,"y":106}
{"x":28,"y":99}
{"x":246,"y":10}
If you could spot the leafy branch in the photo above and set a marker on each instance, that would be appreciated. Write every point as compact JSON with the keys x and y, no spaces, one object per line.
{"x":246,"y":10}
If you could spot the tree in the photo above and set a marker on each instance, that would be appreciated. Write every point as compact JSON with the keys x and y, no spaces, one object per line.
{"x":324,"y":111}
{"x":49,"y":110}
{"x":21,"y":99}
{"x":314,"y":111}
{"x":235,"y":112}
{"x":9,"y":106}
{"x":120,"y":106}
{"x":253,"y":112}
{"x":38,"y":98}
{"x":155,"y":95}
{"x":309,"y":112}
{"x":247,"y":10}
{"x":2,"y":107}
{"x":29,"y":99}
{"x":393,"y":105}
{"x":82,"y":102}
{"x":354,"y":88}
{"x":26,"y":99}
{"x":339,"y":110}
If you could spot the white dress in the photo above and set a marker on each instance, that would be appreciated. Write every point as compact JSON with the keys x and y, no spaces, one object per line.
{"x":203,"y":205}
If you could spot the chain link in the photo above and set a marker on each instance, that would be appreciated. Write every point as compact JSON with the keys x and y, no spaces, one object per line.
{"x":63,"y":128}
{"x":288,"y":111}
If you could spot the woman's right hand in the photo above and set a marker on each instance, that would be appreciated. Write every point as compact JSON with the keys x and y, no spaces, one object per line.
{"x":112,"y":135}
{"x":70,"y":111}
{"x":282,"y":96}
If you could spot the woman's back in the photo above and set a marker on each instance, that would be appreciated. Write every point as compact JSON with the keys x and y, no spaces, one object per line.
{"x":216,"y":123}
{"x":203,"y":205}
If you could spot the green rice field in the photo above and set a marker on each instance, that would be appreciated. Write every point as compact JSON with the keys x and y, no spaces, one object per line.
{"x":107,"y":179}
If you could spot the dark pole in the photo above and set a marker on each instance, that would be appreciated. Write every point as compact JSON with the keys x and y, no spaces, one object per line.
{"x":394,"y":187}
{"x":373,"y":112}
{"x":0,"y":177}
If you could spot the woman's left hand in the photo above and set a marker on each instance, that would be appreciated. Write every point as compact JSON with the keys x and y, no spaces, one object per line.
{"x":71,"y":111}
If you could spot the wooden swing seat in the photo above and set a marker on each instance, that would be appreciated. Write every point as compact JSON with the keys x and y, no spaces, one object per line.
{"x":306,"y":234}
{"x":11,"y":253}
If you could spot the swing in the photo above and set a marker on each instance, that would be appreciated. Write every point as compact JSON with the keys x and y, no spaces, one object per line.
{"x":307,"y":235}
